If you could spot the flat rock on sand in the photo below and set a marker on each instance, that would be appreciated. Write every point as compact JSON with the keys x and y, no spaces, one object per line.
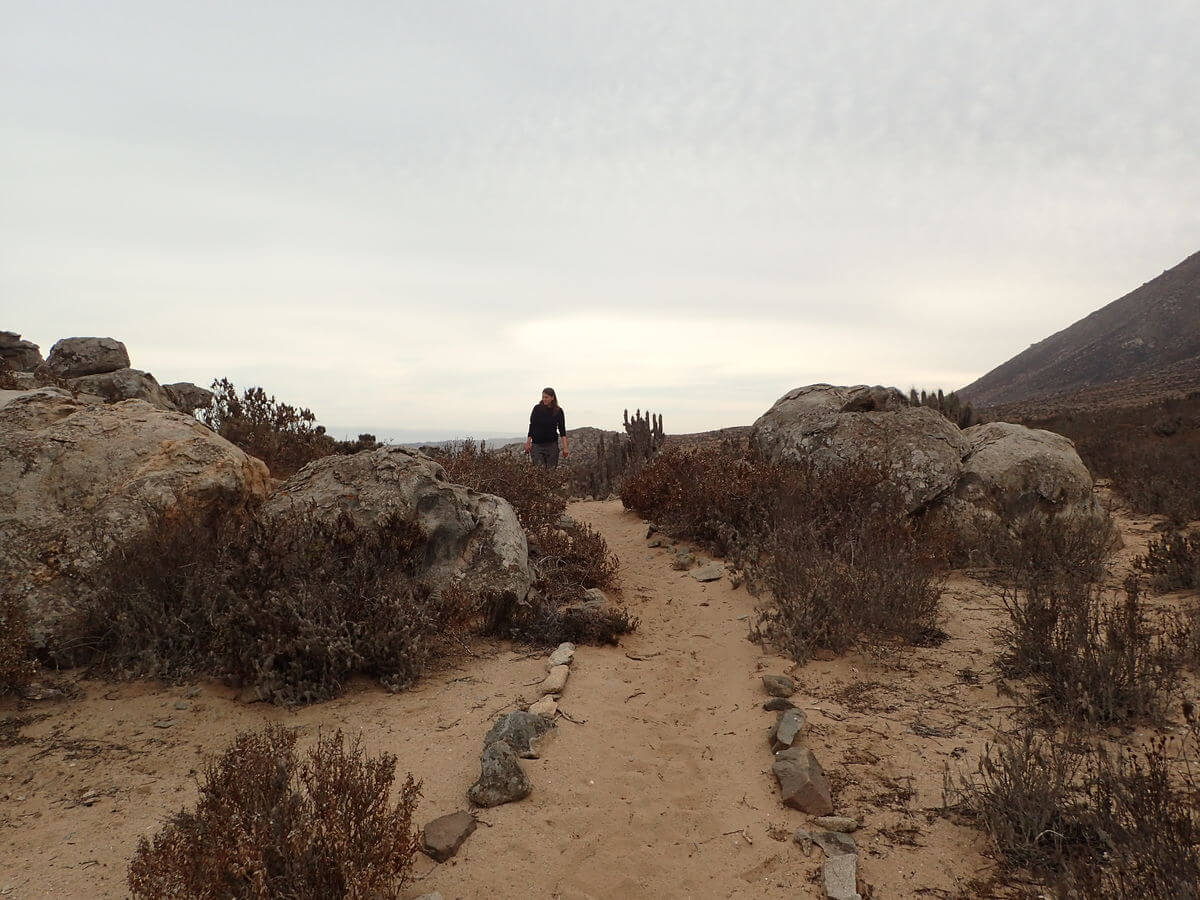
{"x":444,"y":835}
{"x":525,"y":732}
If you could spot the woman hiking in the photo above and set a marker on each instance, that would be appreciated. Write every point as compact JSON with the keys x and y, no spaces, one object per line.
{"x":546,"y":425}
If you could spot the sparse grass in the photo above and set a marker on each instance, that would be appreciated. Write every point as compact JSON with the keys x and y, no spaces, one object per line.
{"x":269,"y":823}
{"x":290,"y":608}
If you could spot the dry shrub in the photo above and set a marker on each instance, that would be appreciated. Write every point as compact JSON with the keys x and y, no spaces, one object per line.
{"x":16,"y":668}
{"x":270,"y":824}
{"x":536,"y":494}
{"x":1172,"y":561}
{"x":291,"y":607}
{"x":283,"y":436}
{"x":545,"y":623}
{"x":1039,"y":549}
{"x":1088,"y":654}
{"x":1089,"y":822}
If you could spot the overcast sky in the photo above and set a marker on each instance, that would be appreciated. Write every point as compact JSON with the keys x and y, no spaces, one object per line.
{"x":414,"y":215}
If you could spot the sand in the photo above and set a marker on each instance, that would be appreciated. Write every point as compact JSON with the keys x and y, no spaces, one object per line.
{"x":658,"y":783}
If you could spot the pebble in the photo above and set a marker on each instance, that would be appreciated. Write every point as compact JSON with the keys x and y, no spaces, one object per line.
{"x":182,"y":704}
{"x":778,"y":704}
{"x":842,"y":824}
{"x":779,"y":685}
{"x":547,"y":707}
{"x":563,"y":655}
{"x":711,"y":572}
{"x":164,"y":723}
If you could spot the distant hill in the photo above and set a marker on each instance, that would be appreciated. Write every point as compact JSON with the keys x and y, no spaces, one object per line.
{"x":1136,"y":346}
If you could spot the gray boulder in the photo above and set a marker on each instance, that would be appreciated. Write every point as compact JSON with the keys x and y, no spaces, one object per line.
{"x":188,"y":397}
{"x":1011,"y":471}
{"x":19,"y":355}
{"x":472,"y":540}
{"x":525,"y":732}
{"x":78,"y":480}
{"x":828,"y":425}
{"x":125,"y":384}
{"x":501,"y":778}
{"x":73,"y":357}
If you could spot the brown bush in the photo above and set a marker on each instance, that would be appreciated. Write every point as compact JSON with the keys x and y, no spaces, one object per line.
{"x":537,"y":495}
{"x":1172,"y":561}
{"x":16,"y":668}
{"x":1090,"y":655}
{"x":283,"y":436}
{"x":1088,"y":822}
{"x":268,"y":824}
{"x":1034,"y":548}
{"x":291,"y":608}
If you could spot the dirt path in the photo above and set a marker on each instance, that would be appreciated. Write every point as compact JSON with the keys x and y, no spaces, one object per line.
{"x":660,"y":787}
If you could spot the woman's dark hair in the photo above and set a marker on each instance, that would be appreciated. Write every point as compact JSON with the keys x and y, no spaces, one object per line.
{"x":553,"y":397}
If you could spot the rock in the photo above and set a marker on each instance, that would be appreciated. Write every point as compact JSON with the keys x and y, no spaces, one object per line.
{"x":73,"y":357}
{"x":545,"y":707}
{"x":594,"y":598}
{"x":787,"y":729}
{"x":473,"y":540}
{"x":165,"y":723}
{"x":182,"y":705}
{"x":125,"y":384}
{"x":501,"y":780}
{"x":525,"y":732}
{"x":804,"y":839}
{"x":432,"y":895}
{"x":656,"y":541}
{"x":827,"y":425}
{"x":835,"y":843}
{"x":841,"y":824}
{"x":563,"y":655}
{"x":711,"y":572}
{"x":442,"y":837}
{"x":683,"y":560}
{"x":802,"y":781}
{"x":21,"y":356}
{"x":779,"y":685}
{"x":188,"y":397}
{"x":556,"y":680}
{"x":840,"y":874}
{"x":1011,"y":471}
{"x":79,"y":480}
{"x":778,"y":704}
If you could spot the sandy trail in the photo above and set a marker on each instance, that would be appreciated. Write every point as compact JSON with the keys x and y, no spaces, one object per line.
{"x":661,"y":785}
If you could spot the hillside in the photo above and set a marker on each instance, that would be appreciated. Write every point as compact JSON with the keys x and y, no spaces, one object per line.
{"x":1134,"y":341}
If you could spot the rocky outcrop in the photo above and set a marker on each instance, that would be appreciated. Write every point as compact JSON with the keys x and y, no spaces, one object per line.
{"x":827,"y":425}
{"x":78,"y":356}
{"x":188,"y":397}
{"x":472,"y":539}
{"x":126,"y":384}
{"x":18,"y":355}
{"x":78,"y":479}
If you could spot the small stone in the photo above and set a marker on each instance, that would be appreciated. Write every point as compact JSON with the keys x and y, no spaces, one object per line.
{"x":656,"y":541}
{"x":802,"y":781}
{"x":546,"y":707}
{"x":842,"y":824}
{"x":192,"y":693}
{"x":164,"y":723}
{"x":840,"y":874}
{"x":779,"y":685}
{"x":501,"y":778}
{"x":182,"y":704}
{"x":683,"y":560}
{"x":787,"y":729}
{"x":804,"y":839}
{"x":778,"y":704}
{"x":556,"y":680}
{"x":562,"y":656}
{"x":651,"y":530}
{"x":432,"y":895}
{"x":445,"y":835}
{"x":834,"y":843}
{"x":712,"y":572}
{"x":525,"y":732}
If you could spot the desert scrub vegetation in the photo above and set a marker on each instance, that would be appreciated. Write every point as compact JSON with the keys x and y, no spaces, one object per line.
{"x":16,"y":667}
{"x":1173,"y":561}
{"x":567,"y":558}
{"x":283,"y":436}
{"x":272,"y":823}
{"x":290,"y":608}
{"x":1084,"y":820}
{"x":831,"y":550}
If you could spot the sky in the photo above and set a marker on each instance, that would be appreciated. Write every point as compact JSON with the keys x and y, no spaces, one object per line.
{"x":412,"y":216}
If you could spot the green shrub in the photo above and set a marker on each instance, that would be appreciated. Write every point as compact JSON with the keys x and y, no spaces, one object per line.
{"x":269,"y":824}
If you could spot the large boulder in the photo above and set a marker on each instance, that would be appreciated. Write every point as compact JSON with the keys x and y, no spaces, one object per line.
{"x":472,"y":539}
{"x":126,"y":384}
{"x":1011,"y":471}
{"x":188,"y":397}
{"x":76,"y":356}
{"x":828,"y":425}
{"x":79,"y":479}
{"x":19,"y":355}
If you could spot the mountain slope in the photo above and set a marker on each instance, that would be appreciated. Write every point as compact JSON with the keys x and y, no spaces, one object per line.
{"x":1151,"y":329}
